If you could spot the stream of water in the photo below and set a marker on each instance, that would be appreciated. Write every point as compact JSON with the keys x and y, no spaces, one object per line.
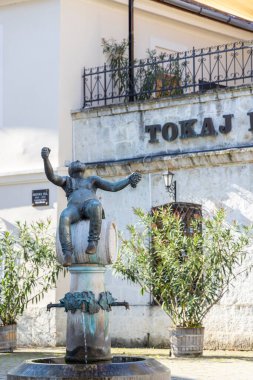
{"x":84,"y":340}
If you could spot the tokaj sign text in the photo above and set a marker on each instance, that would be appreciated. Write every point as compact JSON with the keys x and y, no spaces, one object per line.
{"x":171,"y":131}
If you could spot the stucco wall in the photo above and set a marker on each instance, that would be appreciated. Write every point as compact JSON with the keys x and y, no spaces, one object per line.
{"x":122,"y":130}
{"x":30,"y":57}
{"x":215,"y":171}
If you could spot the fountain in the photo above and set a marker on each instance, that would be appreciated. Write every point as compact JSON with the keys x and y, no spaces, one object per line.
{"x":88,"y":343}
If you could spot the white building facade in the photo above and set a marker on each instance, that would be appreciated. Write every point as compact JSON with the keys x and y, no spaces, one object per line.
{"x":44,"y":47}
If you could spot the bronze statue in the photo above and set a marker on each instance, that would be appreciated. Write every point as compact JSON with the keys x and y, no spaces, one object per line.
{"x":82,"y":202}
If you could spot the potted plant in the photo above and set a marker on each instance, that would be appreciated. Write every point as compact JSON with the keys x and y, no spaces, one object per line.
{"x":116,"y":56}
{"x":186,"y":273}
{"x":28,"y":270}
{"x":158,"y":75}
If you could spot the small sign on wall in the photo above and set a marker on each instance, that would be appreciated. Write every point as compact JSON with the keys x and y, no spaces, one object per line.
{"x":40,"y":197}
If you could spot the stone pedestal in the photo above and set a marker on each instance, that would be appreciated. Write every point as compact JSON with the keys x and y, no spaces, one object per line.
{"x":88,"y":338}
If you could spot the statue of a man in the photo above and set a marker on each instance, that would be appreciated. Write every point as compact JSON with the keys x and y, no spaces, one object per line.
{"x":82,"y":202}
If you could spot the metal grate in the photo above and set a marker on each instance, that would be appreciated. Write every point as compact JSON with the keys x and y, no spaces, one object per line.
{"x":188,"y":212}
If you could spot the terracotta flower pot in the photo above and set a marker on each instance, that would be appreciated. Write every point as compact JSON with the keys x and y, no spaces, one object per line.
{"x":187,"y":341}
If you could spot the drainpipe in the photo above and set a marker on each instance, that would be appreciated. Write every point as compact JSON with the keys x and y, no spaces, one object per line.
{"x":131,"y":48}
{"x":211,"y":13}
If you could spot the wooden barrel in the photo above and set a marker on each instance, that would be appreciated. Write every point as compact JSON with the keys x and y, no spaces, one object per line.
{"x":8,"y":338}
{"x":187,"y":341}
{"x":106,"y":249}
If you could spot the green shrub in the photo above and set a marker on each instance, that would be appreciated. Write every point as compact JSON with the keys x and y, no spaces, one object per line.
{"x":28,"y":268}
{"x":187,"y":274}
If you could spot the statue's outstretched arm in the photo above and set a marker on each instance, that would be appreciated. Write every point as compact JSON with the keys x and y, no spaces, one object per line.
{"x":132,"y":180}
{"x":51,"y":176}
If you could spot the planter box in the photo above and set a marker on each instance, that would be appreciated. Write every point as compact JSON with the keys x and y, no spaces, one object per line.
{"x":187,"y":341}
{"x":8,"y":338}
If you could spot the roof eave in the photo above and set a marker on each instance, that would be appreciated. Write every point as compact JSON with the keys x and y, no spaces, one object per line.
{"x":210,"y":13}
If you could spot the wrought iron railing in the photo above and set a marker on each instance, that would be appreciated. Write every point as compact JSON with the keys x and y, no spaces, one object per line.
{"x":197,"y":70}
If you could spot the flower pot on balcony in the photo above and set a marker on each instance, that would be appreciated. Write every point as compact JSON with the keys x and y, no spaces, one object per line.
{"x":187,"y":341}
{"x":8,"y":338}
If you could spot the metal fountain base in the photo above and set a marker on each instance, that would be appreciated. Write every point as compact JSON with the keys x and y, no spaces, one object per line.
{"x":119,"y":367}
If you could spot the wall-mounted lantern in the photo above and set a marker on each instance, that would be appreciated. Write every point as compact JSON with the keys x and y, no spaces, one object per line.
{"x":170,"y":184}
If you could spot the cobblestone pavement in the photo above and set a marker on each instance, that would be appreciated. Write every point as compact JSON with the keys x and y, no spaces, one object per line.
{"x":214,"y":365}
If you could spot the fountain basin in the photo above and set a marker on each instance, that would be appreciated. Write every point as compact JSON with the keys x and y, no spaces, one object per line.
{"x":119,"y":367}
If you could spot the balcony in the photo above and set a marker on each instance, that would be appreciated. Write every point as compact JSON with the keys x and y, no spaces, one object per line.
{"x":194,"y":71}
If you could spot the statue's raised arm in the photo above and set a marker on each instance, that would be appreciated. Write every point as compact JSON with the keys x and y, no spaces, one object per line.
{"x":51,"y":176}
{"x":132,"y":180}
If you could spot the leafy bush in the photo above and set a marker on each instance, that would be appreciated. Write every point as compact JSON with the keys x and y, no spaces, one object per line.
{"x":28,"y":268}
{"x":156,"y":76}
{"x":116,"y":54}
{"x":187,"y":274}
